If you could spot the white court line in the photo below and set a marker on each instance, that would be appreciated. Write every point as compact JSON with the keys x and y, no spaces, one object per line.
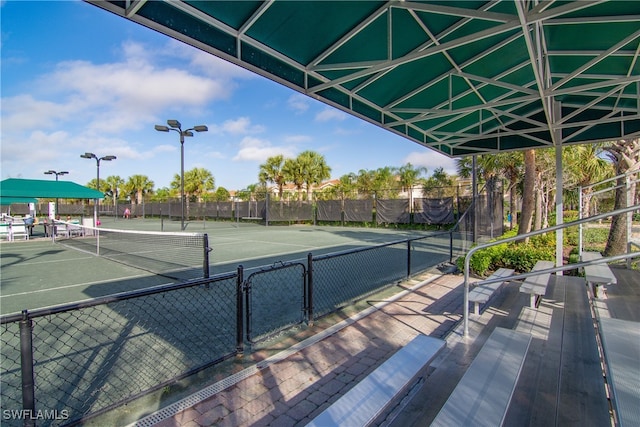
{"x":27,"y":263}
{"x":97,"y":282}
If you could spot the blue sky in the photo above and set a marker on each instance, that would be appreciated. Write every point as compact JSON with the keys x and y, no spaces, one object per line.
{"x":77,"y":79}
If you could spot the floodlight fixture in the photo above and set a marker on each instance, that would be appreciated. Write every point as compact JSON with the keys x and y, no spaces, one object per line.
{"x":98,"y":159}
{"x":176,"y":126}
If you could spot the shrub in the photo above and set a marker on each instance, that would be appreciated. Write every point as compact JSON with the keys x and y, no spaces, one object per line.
{"x":518,"y":256}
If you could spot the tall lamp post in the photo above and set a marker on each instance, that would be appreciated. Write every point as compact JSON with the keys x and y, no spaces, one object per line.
{"x":175,"y":126}
{"x":52,"y":172}
{"x":98,"y":159}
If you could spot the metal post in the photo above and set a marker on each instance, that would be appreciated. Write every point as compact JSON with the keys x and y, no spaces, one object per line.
{"x":474,"y":202}
{"x":239,"y":310}
{"x":309,"y":302}
{"x":408,"y":258}
{"x":206,"y":256}
{"x":26,"y":365}
{"x":451,"y":246}
{"x":182,"y":181}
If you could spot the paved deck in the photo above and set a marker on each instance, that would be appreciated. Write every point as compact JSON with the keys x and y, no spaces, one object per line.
{"x":561,"y":382}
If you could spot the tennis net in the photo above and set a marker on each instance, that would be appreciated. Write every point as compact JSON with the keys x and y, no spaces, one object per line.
{"x":179,"y":256}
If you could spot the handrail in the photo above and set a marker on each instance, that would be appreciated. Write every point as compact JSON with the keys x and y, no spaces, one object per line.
{"x":521,"y":237}
{"x":565,"y":267}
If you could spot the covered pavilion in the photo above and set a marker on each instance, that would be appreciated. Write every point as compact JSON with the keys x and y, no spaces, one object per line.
{"x":461,"y":78}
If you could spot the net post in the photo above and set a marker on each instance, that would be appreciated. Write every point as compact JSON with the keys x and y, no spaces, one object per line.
{"x":205,"y":262}
{"x":239,"y":310}
{"x":26,"y":367}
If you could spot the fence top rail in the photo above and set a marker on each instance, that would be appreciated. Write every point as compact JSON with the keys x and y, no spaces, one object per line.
{"x":381,"y":245}
{"x":278,"y":265}
{"x":46,"y":311}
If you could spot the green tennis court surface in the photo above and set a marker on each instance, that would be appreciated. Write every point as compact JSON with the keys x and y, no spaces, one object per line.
{"x":39,"y":273}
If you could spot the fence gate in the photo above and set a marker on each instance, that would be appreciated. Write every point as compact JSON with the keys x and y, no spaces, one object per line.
{"x":275,"y":299}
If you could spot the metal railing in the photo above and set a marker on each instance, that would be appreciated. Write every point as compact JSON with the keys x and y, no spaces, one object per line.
{"x":538,"y":272}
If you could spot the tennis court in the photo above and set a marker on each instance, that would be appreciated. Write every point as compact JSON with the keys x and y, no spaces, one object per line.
{"x":39,"y":273}
{"x":87,"y":356}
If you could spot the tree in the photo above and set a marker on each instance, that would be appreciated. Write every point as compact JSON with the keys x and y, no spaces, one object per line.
{"x":385,"y":182}
{"x":161,"y":194}
{"x":197,"y":182}
{"x":114,"y":183}
{"x":272,"y":171}
{"x":221,"y":195}
{"x":138,"y":186}
{"x":625,"y":155}
{"x":293,"y":173}
{"x":314,"y":169}
{"x":528,"y":192}
{"x":364,"y":182}
{"x":409,"y":177}
{"x":436,"y":185}
{"x":104,"y":187}
{"x":511,"y":165}
{"x":584,"y":166}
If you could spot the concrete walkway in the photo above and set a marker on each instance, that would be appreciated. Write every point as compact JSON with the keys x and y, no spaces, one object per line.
{"x":293,"y":386}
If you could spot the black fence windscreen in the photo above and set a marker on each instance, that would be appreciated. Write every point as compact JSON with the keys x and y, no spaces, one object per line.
{"x":394,"y":211}
{"x":329,"y":210}
{"x":358,"y":210}
{"x":434,"y":211}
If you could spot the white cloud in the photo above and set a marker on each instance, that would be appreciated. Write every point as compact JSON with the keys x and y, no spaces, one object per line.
{"x":297,"y":139}
{"x":112,"y":97}
{"x":298,"y":103}
{"x":255,"y":149}
{"x":329,"y":114}
{"x":240,"y":126}
{"x":431,"y":160}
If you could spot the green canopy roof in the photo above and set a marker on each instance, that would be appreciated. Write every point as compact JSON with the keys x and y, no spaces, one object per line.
{"x":4,"y":201}
{"x":459,"y":77}
{"x":36,"y":188}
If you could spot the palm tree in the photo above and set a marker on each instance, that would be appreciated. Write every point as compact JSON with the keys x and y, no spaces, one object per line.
{"x":438,"y":182}
{"x":197,"y":182}
{"x":625,"y":155}
{"x":103,"y":185}
{"x":364,"y":182}
{"x":528,"y":194}
{"x":384,"y":181}
{"x":409,"y":176}
{"x":272,"y":171}
{"x":139,"y":185}
{"x":294,"y":173}
{"x":314,"y":169}
{"x":115,"y":183}
{"x":584,"y":166}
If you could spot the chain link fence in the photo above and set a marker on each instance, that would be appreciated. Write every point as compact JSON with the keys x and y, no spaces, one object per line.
{"x":88,"y":358}
{"x":275,"y":299}
{"x":80,"y":360}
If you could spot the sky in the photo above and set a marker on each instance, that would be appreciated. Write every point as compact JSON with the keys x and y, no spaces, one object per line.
{"x":76,"y":79}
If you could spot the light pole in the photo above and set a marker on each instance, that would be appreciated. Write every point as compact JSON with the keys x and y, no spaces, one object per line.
{"x":52,"y":172}
{"x":175,"y":126}
{"x":98,"y":159}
